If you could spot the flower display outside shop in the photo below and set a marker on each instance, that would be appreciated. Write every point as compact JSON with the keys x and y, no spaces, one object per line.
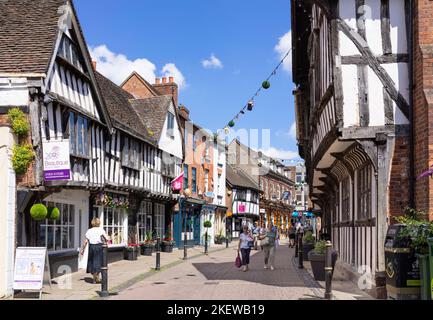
{"x":107,"y":200}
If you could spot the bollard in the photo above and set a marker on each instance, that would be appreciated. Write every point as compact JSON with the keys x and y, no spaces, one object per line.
{"x":227,"y":238}
{"x":300,"y":252}
{"x":296,"y":244}
{"x":104,"y":270}
{"x":328,"y":271}
{"x":158,"y":254}
{"x":185,"y":249}
{"x":205,"y":244}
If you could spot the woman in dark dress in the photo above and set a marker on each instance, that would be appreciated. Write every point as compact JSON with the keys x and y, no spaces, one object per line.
{"x":95,"y":237}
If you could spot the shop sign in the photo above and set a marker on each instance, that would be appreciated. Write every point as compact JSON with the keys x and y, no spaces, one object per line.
{"x":57,"y":165}
{"x":262,"y":210}
{"x":209,"y":194}
{"x":31,"y":264}
{"x":229,"y":214}
{"x":176,"y":184}
{"x":241,"y":208}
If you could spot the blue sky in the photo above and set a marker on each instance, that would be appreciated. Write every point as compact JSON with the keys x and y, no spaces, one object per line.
{"x":218,"y":51}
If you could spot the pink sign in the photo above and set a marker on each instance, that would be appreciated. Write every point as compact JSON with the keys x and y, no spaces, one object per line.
{"x":241,"y":208}
{"x":176,"y":184}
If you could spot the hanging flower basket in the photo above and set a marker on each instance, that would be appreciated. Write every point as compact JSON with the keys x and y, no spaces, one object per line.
{"x":266,"y":84}
{"x":231,"y":124}
{"x":38,"y":212}
{"x":53,"y":213}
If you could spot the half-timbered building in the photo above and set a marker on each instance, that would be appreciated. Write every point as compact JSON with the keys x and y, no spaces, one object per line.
{"x":121,"y":152}
{"x":351,"y":67}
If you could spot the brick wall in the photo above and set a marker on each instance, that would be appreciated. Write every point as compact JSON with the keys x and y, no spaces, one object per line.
{"x":137,"y":88}
{"x":399,"y":183}
{"x":423,"y":102}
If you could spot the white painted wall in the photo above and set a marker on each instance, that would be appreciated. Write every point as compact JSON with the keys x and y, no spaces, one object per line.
{"x":219,"y":163}
{"x":347,"y":13}
{"x":170,"y":145}
{"x":350,"y":93}
{"x":373,"y":25}
{"x":376,"y":103}
{"x":13,"y":92}
{"x":400,"y":74}
{"x":7,"y":212}
{"x":398,"y":26}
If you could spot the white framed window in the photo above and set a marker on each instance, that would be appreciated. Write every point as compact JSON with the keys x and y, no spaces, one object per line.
{"x":170,"y":124}
{"x":160,"y":220}
{"x":144,"y":220}
{"x":114,"y":224}
{"x":58,"y":234}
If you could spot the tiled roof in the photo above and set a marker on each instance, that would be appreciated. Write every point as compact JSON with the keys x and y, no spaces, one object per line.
{"x":239,"y":178}
{"x":120,"y":109}
{"x":28,"y":30}
{"x":153,"y":112}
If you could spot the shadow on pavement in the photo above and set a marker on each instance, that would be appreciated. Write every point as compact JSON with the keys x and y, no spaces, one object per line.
{"x":284,"y":274}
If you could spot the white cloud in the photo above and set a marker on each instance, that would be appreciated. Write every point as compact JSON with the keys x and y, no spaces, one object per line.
{"x":212,"y":63}
{"x":170,"y":70}
{"x":283,"y":46}
{"x":280,"y":153}
{"x":292,"y":131}
{"x":117,"y":66}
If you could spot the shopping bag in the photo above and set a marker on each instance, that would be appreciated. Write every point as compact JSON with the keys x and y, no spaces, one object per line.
{"x":238,"y":262}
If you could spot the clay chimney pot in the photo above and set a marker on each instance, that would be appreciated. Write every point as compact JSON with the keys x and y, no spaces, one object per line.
{"x":171,"y":79}
{"x":94,"y":64}
{"x":157,"y":80}
{"x":164,"y":80}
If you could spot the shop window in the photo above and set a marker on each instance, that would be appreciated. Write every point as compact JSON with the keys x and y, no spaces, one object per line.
{"x":114,"y":224}
{"x":58,"y":234}
{"x":144,"y":220}
{"x":160,"y":220}
{"x":254,"y":197}
{"x":170,"y":125}
{"x":206,"y":180}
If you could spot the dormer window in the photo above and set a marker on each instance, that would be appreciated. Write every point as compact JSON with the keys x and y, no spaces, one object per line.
{"x":170,"y":125}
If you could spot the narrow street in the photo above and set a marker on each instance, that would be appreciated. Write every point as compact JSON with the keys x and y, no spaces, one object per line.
{"x":214,"y":277}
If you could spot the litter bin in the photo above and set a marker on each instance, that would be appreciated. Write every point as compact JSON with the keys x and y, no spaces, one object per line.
{"x":430,"y":246}
{"x":401,"y":266}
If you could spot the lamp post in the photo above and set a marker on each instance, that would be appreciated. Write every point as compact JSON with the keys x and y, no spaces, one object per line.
{"x":328,"y":271}
{"x":185,"y":236}
{"x":300,"y":252}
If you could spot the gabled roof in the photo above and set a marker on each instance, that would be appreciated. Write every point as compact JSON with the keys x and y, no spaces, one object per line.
{"x":28,"y":30}
{"x":153,"y":112}
{"x":236,"y":177}
{"x":121,"y":111}
{"x":145,"y":83}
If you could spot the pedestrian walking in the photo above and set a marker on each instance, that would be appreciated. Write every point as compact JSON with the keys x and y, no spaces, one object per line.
{"x":256,"y":232}
{"x":246,"y":241}
{"x":268,"y":243}
{"x":95,"y":237}
{"x":292,"y":235}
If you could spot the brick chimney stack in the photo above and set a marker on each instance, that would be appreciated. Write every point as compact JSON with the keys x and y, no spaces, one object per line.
{"x":167,"y":88}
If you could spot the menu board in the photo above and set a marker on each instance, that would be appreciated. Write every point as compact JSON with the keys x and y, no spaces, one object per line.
{"x":30,"y":265}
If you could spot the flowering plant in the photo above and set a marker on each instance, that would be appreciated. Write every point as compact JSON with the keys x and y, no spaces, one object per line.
{"x":106,"y":200}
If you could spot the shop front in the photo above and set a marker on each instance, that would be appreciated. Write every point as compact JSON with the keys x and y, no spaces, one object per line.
{"x":187,"y":222}
{"x":220,"y":223}
{"x":65,"y":235}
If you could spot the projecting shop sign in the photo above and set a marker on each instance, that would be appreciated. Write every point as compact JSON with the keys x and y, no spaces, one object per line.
{"x":57,"y":164}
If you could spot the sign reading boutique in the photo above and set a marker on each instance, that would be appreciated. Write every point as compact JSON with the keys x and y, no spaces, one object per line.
{"x":57,"y":164}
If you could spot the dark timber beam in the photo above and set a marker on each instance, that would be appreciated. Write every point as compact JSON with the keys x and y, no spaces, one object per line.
{"x":374,"y":64}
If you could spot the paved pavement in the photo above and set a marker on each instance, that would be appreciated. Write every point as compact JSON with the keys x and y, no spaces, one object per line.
{"x":204,"y":277}
{"x":215,"y":277}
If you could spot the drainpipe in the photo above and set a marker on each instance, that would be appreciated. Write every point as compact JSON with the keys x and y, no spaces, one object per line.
{"x":411,"y":126}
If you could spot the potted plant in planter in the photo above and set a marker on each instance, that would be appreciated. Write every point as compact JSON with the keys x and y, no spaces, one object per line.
{"x":207,"y":224}
{"x":317,"y":258}
{"x":148,"y":246}
{"x":167,"y":243}
{"x":219,"y":238}
{"x":417,"y":231}
{"x":131,"y":252}
{"x":307,"y":244}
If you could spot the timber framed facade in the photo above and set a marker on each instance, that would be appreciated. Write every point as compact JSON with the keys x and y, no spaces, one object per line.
{"x":122,"y":157}
{"x":352,"y":102}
